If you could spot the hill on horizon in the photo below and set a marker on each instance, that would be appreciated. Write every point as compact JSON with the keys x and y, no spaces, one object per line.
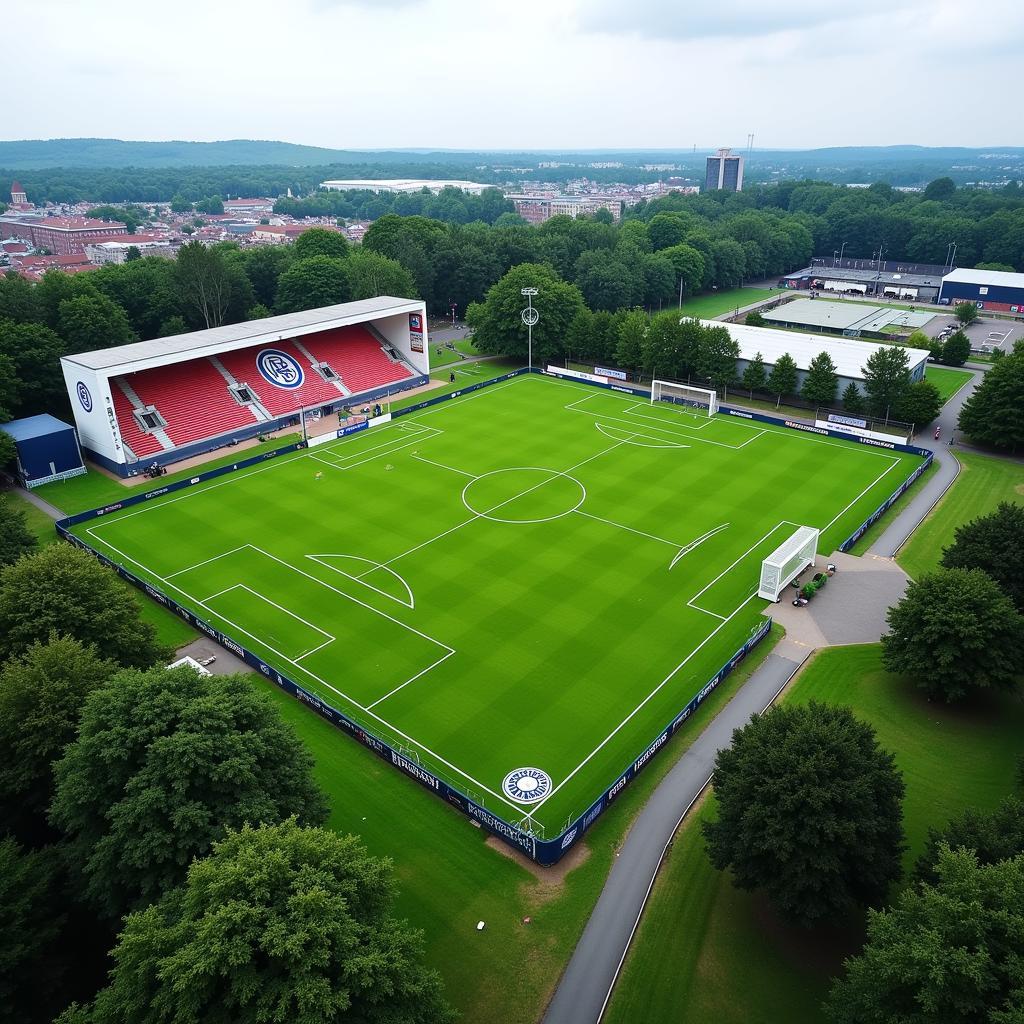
{"x":31,"y":154}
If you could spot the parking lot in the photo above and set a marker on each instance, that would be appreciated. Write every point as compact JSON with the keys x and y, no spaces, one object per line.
{"x":985,"y":335}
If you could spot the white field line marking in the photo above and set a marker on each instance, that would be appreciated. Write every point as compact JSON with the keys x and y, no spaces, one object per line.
{"x":671,"y":431}
{"x":402,"y":686}
{"x":629,"y":411}
{"x":381,"y":451}
{"x":384,"y":444}
{"x":649,"y":696}
{"x":207,"y":561}
{"x":312,"y":675}
{"x":686,"y":549}
{"x":888,"y":469}
{"x":475,"y":516}
{"x":234,"y":586}
{"x":622,"y":526}
{"x":441,"y":465}
{"x":605,"y":429}
{"x":320,"y":559}
{"x":708,"y":586}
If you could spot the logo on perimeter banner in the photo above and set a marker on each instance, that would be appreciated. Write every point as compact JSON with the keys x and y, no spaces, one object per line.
{"x":279,"y":368}
{"x":416,"y":332}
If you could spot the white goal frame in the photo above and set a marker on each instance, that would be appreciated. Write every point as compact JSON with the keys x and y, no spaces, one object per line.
{"x":669,"y":391}
{"x":787,"y":561}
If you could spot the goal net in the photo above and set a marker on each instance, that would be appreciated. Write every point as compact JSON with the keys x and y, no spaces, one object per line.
{"x":683,"y":394}
{"x":787,"y":561}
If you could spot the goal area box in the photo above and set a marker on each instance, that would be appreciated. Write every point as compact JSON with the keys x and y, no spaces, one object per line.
{"x":786,"y":562}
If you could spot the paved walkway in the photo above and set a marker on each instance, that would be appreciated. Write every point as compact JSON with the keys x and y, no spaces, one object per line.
{"x":850,"y":609}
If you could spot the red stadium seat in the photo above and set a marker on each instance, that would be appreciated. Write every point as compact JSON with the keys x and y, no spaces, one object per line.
{"x":356,"y":356}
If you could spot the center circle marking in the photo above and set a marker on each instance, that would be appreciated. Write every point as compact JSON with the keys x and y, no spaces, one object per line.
{"x":543,"y":477}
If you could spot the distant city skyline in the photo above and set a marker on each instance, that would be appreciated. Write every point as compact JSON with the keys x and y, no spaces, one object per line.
{"x":557,"y":75}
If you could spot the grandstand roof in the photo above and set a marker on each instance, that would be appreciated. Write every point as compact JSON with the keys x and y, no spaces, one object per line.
{"x":848,"y":354}
{"x":181,"y":347}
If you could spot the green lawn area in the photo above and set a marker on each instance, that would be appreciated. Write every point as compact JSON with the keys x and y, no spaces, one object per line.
{"x":947,"y":380}
{"x":450,"y":878}
{"x":706,"y":951}
{"x":463,"y":347}
{"x":982,"y":483}
{"x":875,"y":530}
{"x":470,"y":373}
{"x":712,"y":304}
{"x":95,"y":489}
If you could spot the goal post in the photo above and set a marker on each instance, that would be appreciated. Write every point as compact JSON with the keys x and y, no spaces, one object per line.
{"x":684,"y":394}
{"x":787,"y":561}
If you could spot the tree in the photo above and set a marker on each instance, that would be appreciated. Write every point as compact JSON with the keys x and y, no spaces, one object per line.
{"x":62,"y":589}
{"x":755,"y":378}
{"x":821,"y":381}
{"x":919,"y":404}
{"x":940,"y":188}
{"x":213,"y":290}
{"x":277,"y":923}
{"x":994,"y":413}
{"x":994,"y":543}
{"x":992,"y":835}
{"x":30,"y":927}
{"x":886,"y":377}
{"x":754,"y":319}
{"x":956,"y":349}
{"x":321,"y":242}
{"x":35,"y":383}
{"x":15,"y":537}
{"x":690,"y":267}
{"x":371,"y":274}
{"x":947,"y":952}
{"x":853,"y":400}
{"x":955,"y":631}
{"x":264,"y":264}
{"x":809,"y":811}
{"x":313,"y":282}
{"x":8,"y":450}
{"x":41,"y":698}
{"x":783,"y":378}
{"x":179,"y":204}
{"x":165,"y":761}
{"x":258,"y":312}
{"x":629,"y":350}
{"x":966,"y":312}
{"x":497,"y":324}
{"x":90,"y":322}
{"x":212,"y":205}
{"x":716,"y":357}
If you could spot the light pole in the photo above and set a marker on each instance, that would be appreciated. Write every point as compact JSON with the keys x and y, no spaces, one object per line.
{"x":841,"y":251}
{"x":530,"y":317}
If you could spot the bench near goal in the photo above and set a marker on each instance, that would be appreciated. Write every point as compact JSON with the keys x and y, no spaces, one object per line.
{"x":787,"y":561}
{"x":683,"y":394}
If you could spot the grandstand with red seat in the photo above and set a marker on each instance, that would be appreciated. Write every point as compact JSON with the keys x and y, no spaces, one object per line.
{"x":172,"y":398}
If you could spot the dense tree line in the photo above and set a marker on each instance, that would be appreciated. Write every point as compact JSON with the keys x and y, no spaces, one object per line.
{"x":162,"y":850}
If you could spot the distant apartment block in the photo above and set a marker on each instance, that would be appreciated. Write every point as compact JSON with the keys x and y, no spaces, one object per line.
{"x":539,"y":208}
{"x":63,"y":236}
{"x":724,"y":171}
{"x":116,"y":250}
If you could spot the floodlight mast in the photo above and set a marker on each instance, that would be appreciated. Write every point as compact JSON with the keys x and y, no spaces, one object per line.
{"x":530,"y":317}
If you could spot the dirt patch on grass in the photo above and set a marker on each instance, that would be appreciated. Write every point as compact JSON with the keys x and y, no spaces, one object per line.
{"x":547,"y":882}
{"x":1019,"y":489}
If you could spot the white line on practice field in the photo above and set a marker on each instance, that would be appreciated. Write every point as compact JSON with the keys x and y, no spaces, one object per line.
{"x":686,"y":549}
{"x":642,"y":703}
{"x":895,"y":462}
{"x":622,"y":526}
{"x":206,"y":561}
{"x":441,"y":465}
{"x":632,"y":435}
{"x":402,"y":686}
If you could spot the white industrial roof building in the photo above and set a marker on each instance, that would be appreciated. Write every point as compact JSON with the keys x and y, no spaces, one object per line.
{"x":400,"y":185}
{"x":848,"y":354}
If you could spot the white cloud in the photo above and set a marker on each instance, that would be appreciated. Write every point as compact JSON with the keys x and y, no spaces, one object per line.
{"x":466,"y":74}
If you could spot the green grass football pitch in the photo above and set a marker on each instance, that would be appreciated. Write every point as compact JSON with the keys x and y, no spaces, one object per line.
{"x":537,"y":574}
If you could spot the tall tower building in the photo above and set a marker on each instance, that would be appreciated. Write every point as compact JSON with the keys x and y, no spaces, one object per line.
{"x":18,"y":197}
{"x":724,"y":171}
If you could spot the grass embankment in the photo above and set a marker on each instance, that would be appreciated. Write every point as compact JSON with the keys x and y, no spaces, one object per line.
{"x":983,"y":482}
{"x":707,"y":951}
{"x":716,"y":303}
{"x":465,"y":376}
{"x":947,"y":380}
{"x":442,"y":356}
{"x":450,"y":878}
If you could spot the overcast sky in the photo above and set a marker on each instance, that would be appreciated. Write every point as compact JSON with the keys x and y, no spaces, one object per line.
{"x":532,"y":74}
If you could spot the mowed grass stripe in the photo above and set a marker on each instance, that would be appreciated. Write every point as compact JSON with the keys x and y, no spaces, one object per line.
{"x":573,"y":641}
